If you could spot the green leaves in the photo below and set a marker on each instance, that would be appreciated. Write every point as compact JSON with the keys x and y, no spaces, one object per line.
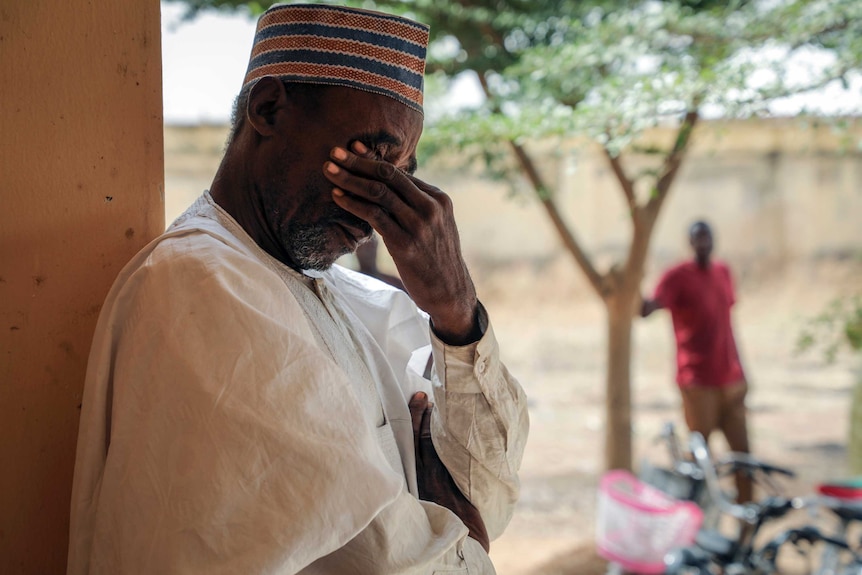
{"x":609,"y":70}
{"x":838,"y":326}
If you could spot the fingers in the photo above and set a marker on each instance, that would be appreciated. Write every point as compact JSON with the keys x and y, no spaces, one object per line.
{"x":360,"y":149}
{"x":370,"y":170}
{"x":416,"y":221}
{"x":420,"y":415}
{"x":362,"y":161}
{"x":377,"y":191}
{"x":417,"y":405}
{"x":385,"y":221}
{"x":425,"y":426}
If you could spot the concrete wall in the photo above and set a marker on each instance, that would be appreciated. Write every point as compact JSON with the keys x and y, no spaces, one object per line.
{"x":81,"y":178}
{"x":775,"y":190}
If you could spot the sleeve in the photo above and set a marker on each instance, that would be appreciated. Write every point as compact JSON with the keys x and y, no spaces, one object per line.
{"x":480,"y":425}
{"x":230,"y":432}
{"x":667,"y":290}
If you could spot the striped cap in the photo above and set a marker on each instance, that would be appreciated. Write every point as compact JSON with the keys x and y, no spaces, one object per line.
{"x":319,"y":44}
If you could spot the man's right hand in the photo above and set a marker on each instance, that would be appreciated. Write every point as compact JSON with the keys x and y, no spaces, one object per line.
{"x":434,"y":481}
{"x":417,"y":223}
{"x":648,"y":306}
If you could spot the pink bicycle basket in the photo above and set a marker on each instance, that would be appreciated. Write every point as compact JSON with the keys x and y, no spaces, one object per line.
{"x":638,"y":524}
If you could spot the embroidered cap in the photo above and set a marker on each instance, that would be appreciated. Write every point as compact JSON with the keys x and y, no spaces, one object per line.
{"x":319,"y":44}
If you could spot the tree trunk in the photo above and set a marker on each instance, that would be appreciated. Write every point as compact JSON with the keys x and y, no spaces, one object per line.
{"x":618,"y":421}
{"x":619,"y":288}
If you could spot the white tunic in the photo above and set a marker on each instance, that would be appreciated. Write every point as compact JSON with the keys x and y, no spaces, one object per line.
{"x":239,"y":417}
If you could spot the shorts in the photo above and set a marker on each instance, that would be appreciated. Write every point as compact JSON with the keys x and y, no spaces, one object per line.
{"x":707,"y":408}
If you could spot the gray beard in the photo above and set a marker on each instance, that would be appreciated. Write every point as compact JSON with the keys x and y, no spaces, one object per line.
{"x":306,"y":245}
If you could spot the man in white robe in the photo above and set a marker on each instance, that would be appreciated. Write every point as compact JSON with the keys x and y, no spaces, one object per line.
{"x":250,"y":407}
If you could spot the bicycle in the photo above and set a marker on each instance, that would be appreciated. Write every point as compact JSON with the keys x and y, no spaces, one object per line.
{"x":763,"y":561}
{"x":846,"y":505}
{"x":684,"y":478}
{"x":713,"y":551}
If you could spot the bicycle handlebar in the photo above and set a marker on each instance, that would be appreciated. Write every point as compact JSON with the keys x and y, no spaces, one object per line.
{"x":752,"y":513}
{"x":737,"y":460}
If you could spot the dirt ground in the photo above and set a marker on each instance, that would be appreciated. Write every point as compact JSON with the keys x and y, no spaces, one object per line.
{"x":551,"y":331}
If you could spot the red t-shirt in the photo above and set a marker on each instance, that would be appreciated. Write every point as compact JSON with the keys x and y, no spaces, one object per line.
{"x":699,"y":301}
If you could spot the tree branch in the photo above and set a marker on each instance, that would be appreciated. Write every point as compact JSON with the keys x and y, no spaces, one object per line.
{"x":568,"y":238}
{"x":569,"y":241}
{"x":625,"y":183}
{"x":674,"y":158}
{"x":769,"y":33}
{"x":790,"y":91}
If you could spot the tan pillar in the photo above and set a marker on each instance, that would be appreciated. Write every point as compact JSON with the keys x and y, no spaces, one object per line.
{"x":81,"y":190}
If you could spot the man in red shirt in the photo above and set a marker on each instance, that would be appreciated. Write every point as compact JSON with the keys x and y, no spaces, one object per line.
{"x":699,"y":294}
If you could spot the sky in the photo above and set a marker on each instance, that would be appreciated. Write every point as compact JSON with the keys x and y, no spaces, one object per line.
{"x":204,"y":62}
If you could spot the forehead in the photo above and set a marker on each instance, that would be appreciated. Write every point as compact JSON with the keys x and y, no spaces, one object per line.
{"x":700,"y":232}
{"x":362,"y":112}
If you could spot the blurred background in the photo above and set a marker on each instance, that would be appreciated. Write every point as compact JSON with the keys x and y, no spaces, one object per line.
{"x":746,"y":116}
{"x":578,"y":140}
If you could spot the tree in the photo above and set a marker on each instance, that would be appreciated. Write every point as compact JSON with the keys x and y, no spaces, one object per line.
{"x":610,"y":70}
{"x":837,"y":327}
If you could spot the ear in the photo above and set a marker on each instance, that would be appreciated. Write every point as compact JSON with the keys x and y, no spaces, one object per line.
{"x":267,"y":100}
